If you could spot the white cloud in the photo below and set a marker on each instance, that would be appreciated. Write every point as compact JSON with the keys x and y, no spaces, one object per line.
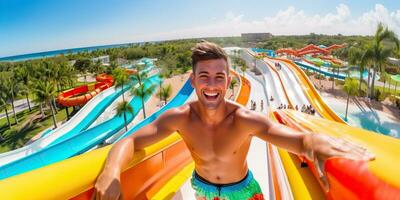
{"x":291,"y":21}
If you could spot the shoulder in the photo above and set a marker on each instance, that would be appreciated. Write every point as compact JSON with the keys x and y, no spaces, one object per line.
{"x":176,"y":113}
{"x":173,"y":117}
{"x":250,"y":119}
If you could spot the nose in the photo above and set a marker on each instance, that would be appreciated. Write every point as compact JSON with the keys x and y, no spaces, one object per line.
{"x":211,"y":82}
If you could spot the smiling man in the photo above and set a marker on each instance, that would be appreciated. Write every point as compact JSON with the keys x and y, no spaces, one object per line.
{"x":217,"y":133}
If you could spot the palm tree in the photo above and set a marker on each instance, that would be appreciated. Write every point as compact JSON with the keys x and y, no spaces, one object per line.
{"x":11,"y":86}
{"x":83,"y":65}
{"x":120,"y":79}
{"x":97,"y":68}
{"x":143,"y":92}
{"x":45,"y":91}
{"x":232,"y":85}
{"x":355,"y":57}
{"x":386,"y":77}
{"x":350,"y":87}
{"x":122,"y":108}
{"x":377,"y":51}
{"x":162,"y":76}
{"x":140,"y":76}
{"x":22,"y":75}
{"x":165,"y":93}
{"x":3,"y":105}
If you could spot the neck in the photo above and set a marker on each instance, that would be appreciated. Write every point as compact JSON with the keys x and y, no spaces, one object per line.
{"x":212,"y":116}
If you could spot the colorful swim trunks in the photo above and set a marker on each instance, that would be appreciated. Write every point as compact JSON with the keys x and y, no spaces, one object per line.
{"x":246,"y":189}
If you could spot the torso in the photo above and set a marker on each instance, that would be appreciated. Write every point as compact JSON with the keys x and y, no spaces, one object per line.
{"x":219,"y":151}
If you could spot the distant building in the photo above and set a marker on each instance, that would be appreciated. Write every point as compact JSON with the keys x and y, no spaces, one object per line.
{"x":394,"y":61}
{"x":105,"y":60}
{"x":121,"y":61}
{"x":255,"y":37}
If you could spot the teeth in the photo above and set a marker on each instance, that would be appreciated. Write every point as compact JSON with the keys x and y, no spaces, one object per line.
{"x":210,"y":94}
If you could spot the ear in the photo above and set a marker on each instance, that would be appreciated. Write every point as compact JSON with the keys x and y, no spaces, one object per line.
{"x":192,"y":79}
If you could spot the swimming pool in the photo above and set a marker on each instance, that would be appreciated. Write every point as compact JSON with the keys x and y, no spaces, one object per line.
{"x":365,"y":117}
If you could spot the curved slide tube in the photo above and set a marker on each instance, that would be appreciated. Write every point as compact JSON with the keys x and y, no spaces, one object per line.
{"x":317,"y":69}
{"x":343,"y":188}
{"x":48,"y":180}
{"x":292,"y":88}
{"x":64,"y":147}
{"x":81,"y":95}
{"x":273,"y":87}
{"x":349,"y":179}
{"x":80,"y":121}
{"x":313,"y":96}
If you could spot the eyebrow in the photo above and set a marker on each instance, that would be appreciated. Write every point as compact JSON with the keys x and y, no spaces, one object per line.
{"x":203,"y":72}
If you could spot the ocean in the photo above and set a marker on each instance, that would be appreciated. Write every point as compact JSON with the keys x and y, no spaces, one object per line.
{"x":47,"y":54}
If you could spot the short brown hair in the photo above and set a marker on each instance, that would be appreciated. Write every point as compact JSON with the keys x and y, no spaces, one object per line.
{"x":207,"y":51}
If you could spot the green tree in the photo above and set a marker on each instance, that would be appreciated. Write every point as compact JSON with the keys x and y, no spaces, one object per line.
{"x":385,"y":76}
{"x":355,"y":57}
{"x":83,"y":65}
{"x":143,"y":92}
{"x":45,"y":91}
{"x":121,"y":78}
{"x":22,"y":75}
{"x":97,"y":68}
{"x":379,"y":52}
{"x":232,"y":85}
{"x":141,"y":75}
{"x":165,"y":93}
{"x":3,"y":105}
{"x":109,"y":69}
{"x":350,"y":87}
{"x":10,"y":87}
{"x":122,"y":108}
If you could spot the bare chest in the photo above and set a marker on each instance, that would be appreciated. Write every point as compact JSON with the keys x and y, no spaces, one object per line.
{"x":221,"y":141}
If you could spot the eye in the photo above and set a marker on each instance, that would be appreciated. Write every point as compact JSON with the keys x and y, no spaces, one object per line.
{"x":220,"y":77}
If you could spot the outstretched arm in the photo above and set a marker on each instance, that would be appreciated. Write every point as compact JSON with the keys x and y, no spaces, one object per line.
{"x":121,"y":154}
{"x":315,"y":147}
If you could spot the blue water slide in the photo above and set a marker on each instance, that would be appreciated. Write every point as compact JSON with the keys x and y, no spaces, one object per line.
{"x":326,"y":73}
{"x":74,"y":132}
{"x":76,"y":144}
{"x":79,"y":122}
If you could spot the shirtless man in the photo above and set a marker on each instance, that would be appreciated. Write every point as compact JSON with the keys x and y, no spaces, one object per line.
{"x":218,"y":133}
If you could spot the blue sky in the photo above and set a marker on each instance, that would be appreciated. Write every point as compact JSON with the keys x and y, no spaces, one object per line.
{"x":28,"y":26}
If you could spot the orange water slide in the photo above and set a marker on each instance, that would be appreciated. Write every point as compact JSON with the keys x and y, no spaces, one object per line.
{"x":333,"y":60}
{"x":287,"y":51}
{"x":335,"y":46}
{"x":310,"y":49}
{"x":80,"y":95}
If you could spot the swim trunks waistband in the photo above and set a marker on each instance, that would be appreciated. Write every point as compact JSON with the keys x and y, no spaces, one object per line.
{"x":245,"y":189}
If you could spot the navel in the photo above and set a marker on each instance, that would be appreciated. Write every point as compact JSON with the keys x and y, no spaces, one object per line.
{"x":218,"y":178}
{"x":234,"y":152}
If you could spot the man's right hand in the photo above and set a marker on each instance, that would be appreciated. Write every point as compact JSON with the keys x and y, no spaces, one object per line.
{"x":108,"y":186}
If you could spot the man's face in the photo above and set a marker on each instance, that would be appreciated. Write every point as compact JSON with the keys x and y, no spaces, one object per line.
{"x":211,"y":81}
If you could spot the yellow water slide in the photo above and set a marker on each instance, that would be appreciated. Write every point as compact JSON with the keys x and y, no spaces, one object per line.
{"x":349,"y":179}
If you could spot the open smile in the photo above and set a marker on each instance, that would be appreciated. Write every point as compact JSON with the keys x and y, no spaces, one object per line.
{"x":211,"y":95}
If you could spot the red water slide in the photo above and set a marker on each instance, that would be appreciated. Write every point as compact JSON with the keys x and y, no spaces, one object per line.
{"x":310,"y":49}
{"x":80,"y":95}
